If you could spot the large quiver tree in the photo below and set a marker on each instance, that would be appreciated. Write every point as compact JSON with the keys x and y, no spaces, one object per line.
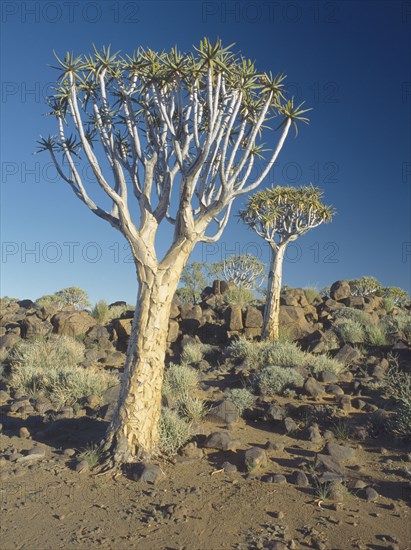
{"x":171,"y":138}
{"x":280,"y":215}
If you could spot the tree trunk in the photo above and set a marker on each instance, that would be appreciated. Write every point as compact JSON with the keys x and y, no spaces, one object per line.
{"x":272,"y":308}
{"x":133,"y":433}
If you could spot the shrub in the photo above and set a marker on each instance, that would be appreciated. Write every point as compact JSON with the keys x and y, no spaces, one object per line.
{"x":283,"y":354}
{"x":241,"y":398}
{"x":324,"y":363}
{"x":398,"y":295}
{"x":115,"y":312}
{"x":398,"y":385}
{"x":311,"y":294}
{"x":101,"y":312}
{"x":375,"y":335}
{"x":92,"y":454}
{"x":179,"y":381}
{"x":241,"y":296}
{"x":398,"y":323}
{"x":192,"y":353}
{"x":352,"y":314}
{"x":260,"y":354}
{"x":51,"y":366}
{"x":388,"y":304}
{"x":349,"y":331}
{"x":192,"y":408}
{"x":275,"y":380}
{"x":365,"y":286}
{"x":174,"y":431}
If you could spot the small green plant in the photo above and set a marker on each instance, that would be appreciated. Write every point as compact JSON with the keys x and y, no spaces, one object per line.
{"x":175,"y":431}
{"x":115,"y":312}
{"x":51,"y":365}
{"x":241,"y":296}
{"x":101,"y":312}
{"x":398,"y":385}
{"x":352,"y":314}
{"x":311,"y":294}
{"x":241,"y":398}
{"x":342,"y":430}
{"x":321,"y":490}
{"x":349,"y":331}
{"x":179,"y":381}
{"x":388,"y":304}
{"x":398,"y":323}
{"x":274,"y":380}
{"x":192,"y":353}
{"x":192,"y":408}
{"x":324,"y":363}
{"x":92,"y":454}
{"x":375,"y":335}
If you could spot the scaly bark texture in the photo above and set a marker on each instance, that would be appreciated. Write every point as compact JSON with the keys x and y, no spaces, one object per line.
{"x":271,"y":325}
{"x":133,"y":432}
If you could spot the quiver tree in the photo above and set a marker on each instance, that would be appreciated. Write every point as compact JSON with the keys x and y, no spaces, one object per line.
{"x":170,"y":138}
{"x":280,"y":215}
{"x":244,"y":270}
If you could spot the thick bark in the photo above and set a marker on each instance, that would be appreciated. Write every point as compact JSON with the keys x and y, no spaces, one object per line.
{"x":133,"y":433}
{"x":272,"y":308}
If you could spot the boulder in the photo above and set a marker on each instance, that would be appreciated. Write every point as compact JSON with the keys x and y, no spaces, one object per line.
{"x":173,"y":331}
{"x":340,"y":290}
{"x":253,"y":318}
{"x":347,"y":355}
{"x":221,"y":441}
{"x":123,"y":328}
{"x":72,"y":323}
{"x":293,"y":319}
{"x":255,"y":458}
{"x":356,"y":302}
{"x":313,"y":388}
{"x":226,"y":411}
{"x":341,"y":453}
{"x":234,"y":317}
{"x":8,"y":340}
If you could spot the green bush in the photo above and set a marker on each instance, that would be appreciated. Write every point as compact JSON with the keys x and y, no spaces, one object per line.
{"x":175,"y":431}
{"x":311,"y":294}
{"x":375,"y":335}
{"x":101,"y":312}
{"x":352,"y":314}
{"x":398,"y":385}
{"x":179,"y":381}
{"x":349,"y":330}
{"x":192,"y":408}
{"x":324,"y":363}
{"x":398,"y":323}
{"x":52,"y":366}
{"x":241,"y":398}
{"x":260,"y":354}
{"x":274,"y":380}
{"x":192,"y":353}
{"x":388,"y":304}
{"x":240,"y":296}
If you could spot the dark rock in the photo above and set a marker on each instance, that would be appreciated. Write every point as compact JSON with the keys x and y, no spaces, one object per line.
{"x":345,"y":403}
{"x":150,"y":473}
{"x":279,"y":479}
{"x":340,"y":290}
{"x":313,"y":388}
{"x":226,"y":411}
{"x":328,"y":464}
{"x":301,"y":479}
{"x":234,"y":317}
{"x":290,"y":425}
{"x":221,"y":441}
{"x":370,"y":494}
{"x":328,"y":377}
{"x":229,"y":468}
{"x":255,"y":458}
{"x":253,"y":318}
{"x":277,"y":412}
{"x":342,"y":453}
{"x":347,"y":355}
{"x":334,"y":389}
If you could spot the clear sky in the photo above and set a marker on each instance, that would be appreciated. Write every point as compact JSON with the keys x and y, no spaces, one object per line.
{"x":350,"y":61}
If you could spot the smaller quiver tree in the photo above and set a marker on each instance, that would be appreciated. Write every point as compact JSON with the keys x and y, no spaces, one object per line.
{"x":280,"y":215}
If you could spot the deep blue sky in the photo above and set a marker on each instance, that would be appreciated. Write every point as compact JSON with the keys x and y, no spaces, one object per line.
{"x":350,"y":61}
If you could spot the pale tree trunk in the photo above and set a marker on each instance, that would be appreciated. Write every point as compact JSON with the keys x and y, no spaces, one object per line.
{"x":272,"y":308}
{"x":134,"y":433}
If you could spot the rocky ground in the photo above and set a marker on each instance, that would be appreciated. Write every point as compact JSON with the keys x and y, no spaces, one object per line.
{"x":313,"y":469}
